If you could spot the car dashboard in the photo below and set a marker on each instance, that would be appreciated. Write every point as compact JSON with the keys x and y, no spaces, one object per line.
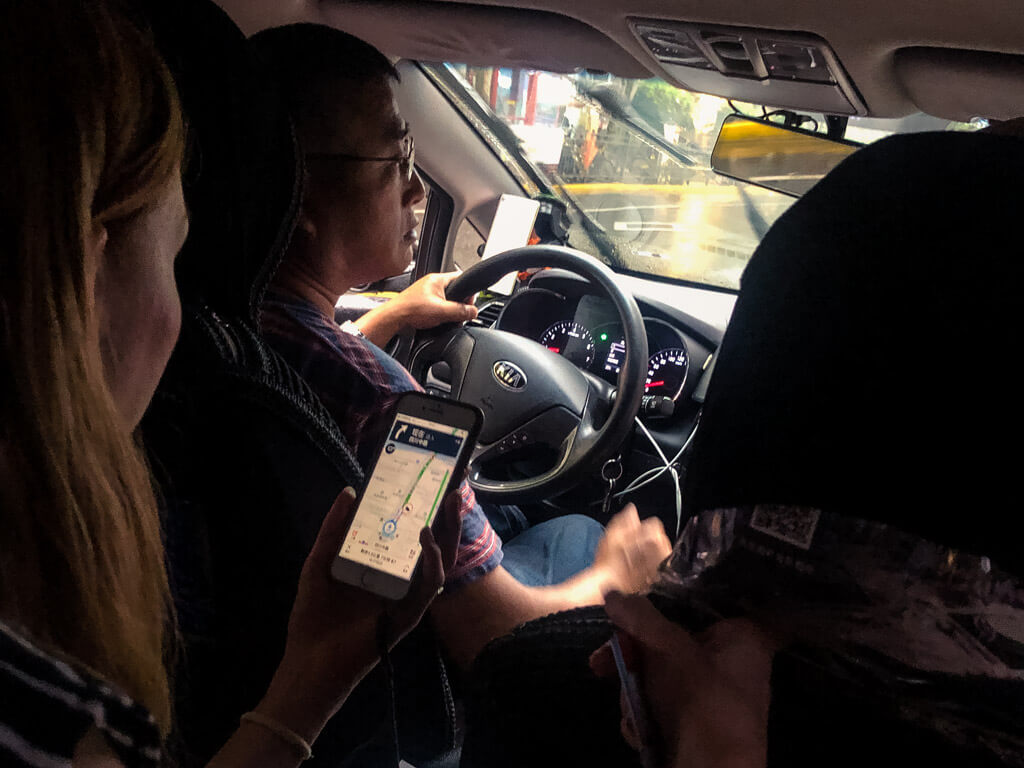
{"x":564,"y":314}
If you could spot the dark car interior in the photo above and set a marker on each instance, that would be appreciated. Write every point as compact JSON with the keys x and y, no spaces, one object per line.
{"x":843,"y":417}
{"x":901,"y":408}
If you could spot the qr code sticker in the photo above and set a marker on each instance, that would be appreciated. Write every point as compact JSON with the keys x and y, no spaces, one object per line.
{"x":793,"y":525}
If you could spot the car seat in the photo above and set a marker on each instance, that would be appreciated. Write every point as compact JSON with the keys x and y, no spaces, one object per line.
{"x":869,"y":368}
{"x":247,"y":459}
{"x":870,"y":363}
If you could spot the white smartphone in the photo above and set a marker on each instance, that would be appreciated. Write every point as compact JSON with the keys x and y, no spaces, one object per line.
{"x":511,"y":228}
{"x":427,"y":447}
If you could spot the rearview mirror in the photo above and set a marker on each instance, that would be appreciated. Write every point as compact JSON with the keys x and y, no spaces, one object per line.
{"x":787,"y":160}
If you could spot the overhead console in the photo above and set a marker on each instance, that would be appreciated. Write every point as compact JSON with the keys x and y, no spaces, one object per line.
{"x":781,"y":69}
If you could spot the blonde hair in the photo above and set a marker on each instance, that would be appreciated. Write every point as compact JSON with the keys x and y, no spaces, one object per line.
{"x":91,"y":135}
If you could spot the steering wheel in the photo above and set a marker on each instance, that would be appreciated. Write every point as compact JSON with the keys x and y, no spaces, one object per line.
{"x":531,"y":396}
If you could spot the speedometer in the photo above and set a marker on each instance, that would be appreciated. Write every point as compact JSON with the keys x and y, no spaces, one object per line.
{"x":572,"y":341}
{"x":666,"y":372}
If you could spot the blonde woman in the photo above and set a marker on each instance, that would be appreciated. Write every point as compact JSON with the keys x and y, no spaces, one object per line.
{"x":91,"y":218}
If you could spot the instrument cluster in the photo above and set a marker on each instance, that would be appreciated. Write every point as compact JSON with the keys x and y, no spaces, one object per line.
{"x":589,"y":335}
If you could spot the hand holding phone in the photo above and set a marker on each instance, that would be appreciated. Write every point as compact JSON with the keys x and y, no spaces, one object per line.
{"x":701,"y":700}
{"x":425,"y":451}
{"x":333,"y":632}
{"x":635,"y":709}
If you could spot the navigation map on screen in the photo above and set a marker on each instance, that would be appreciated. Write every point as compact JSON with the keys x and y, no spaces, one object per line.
{"x":403,"y":495}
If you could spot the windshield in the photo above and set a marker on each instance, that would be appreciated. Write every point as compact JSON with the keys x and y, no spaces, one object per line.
{"x":631,"y":159}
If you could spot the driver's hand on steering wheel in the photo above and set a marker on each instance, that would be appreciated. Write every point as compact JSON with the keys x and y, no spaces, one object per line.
{"x":421,"y":305}
{"x":630,"y":552}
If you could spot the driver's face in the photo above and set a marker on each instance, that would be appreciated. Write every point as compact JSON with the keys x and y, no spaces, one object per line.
{"x":362,"y":211}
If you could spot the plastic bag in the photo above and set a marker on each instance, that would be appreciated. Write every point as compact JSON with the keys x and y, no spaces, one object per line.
{"x":929,"y":634}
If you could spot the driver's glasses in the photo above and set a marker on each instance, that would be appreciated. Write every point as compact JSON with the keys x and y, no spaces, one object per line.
{"x":406,"y":161}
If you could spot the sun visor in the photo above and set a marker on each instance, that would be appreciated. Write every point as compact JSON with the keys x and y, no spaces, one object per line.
{"x":960,"y":85}
{"x":482,"y":35}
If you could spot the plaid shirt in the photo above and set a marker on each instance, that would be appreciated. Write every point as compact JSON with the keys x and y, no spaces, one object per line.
{"x":358,"y":382}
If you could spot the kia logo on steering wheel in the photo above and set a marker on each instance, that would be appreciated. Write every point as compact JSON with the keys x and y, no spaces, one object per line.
{"x":509,"y":375}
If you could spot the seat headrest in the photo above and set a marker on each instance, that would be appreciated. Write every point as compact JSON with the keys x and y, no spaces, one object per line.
{"x":243,"y":174}
{"x":870,"y":366}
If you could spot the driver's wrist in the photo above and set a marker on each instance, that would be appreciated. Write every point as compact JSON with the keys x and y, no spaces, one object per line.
{"x":380,"y":324}
{"x":605,"y":580}
{"x":591,"y":585}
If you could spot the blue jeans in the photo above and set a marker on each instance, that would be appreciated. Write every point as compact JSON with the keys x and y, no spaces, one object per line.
{"x":547,"y":553}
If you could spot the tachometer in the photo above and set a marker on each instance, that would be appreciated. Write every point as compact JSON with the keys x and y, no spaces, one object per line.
{"x":572,"y":341}
{"x":666,"y":372}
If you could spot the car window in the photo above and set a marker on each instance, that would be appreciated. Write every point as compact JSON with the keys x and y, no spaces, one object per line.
{"x":468,"y":245}
{"x":632,"y":160}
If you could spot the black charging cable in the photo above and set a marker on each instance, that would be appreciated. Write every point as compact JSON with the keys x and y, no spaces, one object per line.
{"x":383,"y":635}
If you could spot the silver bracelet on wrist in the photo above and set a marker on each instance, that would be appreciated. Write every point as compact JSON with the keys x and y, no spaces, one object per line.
{"x":283,"y":732}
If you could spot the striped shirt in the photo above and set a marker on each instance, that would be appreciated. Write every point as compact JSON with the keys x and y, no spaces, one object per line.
{"x":47,"y":706}
{"x":358,"y":383}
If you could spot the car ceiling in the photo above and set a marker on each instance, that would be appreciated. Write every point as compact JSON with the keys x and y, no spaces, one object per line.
{"x":949,"y":58}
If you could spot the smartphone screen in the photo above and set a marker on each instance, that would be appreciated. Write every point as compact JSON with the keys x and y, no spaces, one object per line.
{"x":403,"y":494}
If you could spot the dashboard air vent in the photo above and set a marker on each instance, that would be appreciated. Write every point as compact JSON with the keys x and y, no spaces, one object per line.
{"x":489,"y":313}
